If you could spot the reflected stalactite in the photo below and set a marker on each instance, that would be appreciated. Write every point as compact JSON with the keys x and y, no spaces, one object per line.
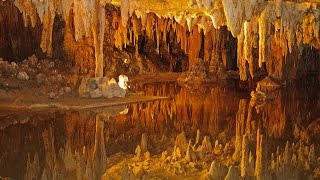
{"x":199,"y":125}
{"x":50,"y":154}
{"x":99,"y":152}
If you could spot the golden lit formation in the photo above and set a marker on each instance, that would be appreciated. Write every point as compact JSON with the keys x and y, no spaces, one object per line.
{"x":159,"y":89}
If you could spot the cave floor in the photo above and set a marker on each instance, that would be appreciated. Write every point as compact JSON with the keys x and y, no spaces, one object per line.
{"x":72,"y":103}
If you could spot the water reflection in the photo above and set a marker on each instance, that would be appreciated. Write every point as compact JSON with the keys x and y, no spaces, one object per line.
{"x":54,"y":145}
{"x":76,"y":145}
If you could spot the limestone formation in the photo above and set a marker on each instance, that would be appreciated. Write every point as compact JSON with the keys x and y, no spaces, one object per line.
{"x":190,"y":155}
{"x":244,"y":164}
{"x":197,"y":73}
{"x":181,"y":143}
{"x":217,"y":171}
{"x":144,"y":143}
{"x":100,"y":87}
{"x":23,"y":76}
{"x":206,"y":145}
{"x":233,"y":174}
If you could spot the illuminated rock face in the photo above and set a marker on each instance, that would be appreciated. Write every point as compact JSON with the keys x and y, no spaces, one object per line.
{"x":270,"y":34}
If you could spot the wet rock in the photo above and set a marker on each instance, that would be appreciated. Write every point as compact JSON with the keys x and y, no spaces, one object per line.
{"x":114,"y":90}
{"x":91,"y":84}
{"x":33,"y":60}
{"x":52,"y":95}
{"x":197,"y":73}
{"x":23,"y":76}
{"x":67,"y":90}
{"x":268,"y":84}
{"x":265,"y":89}
{"x":261,"y":96}
{"x":51,"y":64}
{"x":41,"y":78}
{"x":97,"y":93}
{"x":217,"y":171}
{"x":13,"y":64}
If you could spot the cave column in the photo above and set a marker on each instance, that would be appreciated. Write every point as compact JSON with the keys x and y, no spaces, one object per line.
{"x":98,"y":28}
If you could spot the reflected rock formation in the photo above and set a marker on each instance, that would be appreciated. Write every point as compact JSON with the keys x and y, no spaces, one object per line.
{"x":191,"y":134}
{"x":69,"y":146}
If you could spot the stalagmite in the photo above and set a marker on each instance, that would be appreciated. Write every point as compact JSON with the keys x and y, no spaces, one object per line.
{"x":197,"y":142}
{"x":233,"y":174}
{"x":33,"y":167}
{"x":244,"y":164}
{"x":217,"y":171}
{"x":287,"y":154}
{"x":206,"y":144}
{"x":144,"y":143}
{"x":312,"y":156}
{"x":259,"y":156}
{"x":181,"y":142}
{"x":190,"y":155}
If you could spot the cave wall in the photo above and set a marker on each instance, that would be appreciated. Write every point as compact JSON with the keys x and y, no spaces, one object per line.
{"x":16,"y":40}
{"x":137,"y":37}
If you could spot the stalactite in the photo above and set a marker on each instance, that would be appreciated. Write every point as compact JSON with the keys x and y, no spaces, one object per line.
{"x":99,"y":152}
{"x":98,"y":29}
{"x":88,"y":20}
{"x":208,"y":45}
{"x":234,"y":15}
{"x":240,"y":130}
{"x":264,"y":33}
{"x":242,"y":63}
{"x":194,"y":44}
{"x":136,"y":27}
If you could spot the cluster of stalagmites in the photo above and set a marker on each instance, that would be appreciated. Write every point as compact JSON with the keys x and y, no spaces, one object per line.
{"x":249,"y":159}
{"x":71,"y":161}
{"x":258,"y":25}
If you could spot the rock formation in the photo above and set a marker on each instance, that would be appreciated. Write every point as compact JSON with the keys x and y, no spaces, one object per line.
{"x":270,"y":34}
{"x":102,"y":87}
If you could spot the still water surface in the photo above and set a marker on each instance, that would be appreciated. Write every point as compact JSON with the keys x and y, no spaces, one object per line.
{"x":73,"y":144}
